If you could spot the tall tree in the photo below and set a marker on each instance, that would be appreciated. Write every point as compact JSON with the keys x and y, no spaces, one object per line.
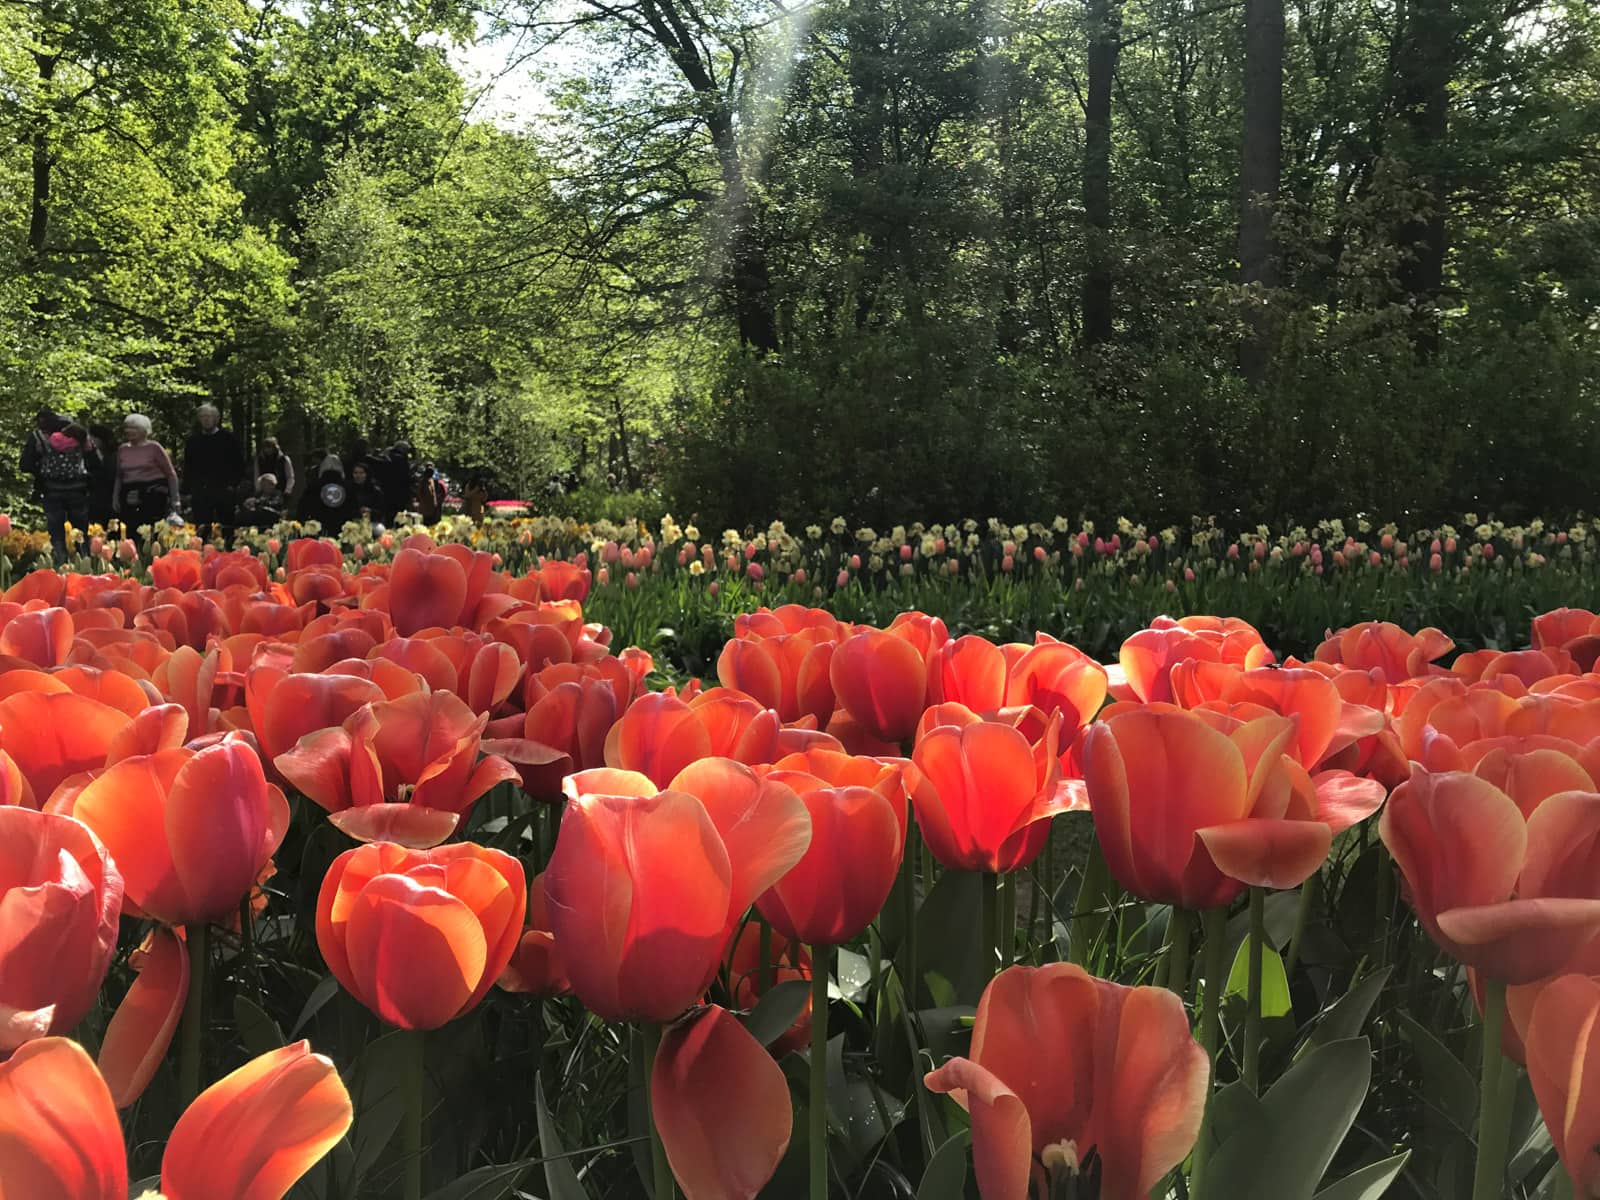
{"x":1259,"y":172}
{"x":1105,"y":43}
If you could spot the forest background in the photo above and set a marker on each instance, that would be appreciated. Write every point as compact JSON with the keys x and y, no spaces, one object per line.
{"x":892,"y":259}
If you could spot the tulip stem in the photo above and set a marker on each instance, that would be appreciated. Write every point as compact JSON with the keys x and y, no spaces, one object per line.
{"x":764,"y":969}
{"x":1088,"y":918}
{"x":663,"y":1186}
{"x":1494,"y":1107}
{"x":1178,"y":952}
{"x":1302,"y":917}
{"x":990,"y":893}
{"x":1215,"y":929}
{"x":1252,"y":1012}
{"x":1008,"y":918}
{"x":412,"y":1080}
{"x":821,"y":960}
{"x":194,"y":1015}
{"x":908,"y":880}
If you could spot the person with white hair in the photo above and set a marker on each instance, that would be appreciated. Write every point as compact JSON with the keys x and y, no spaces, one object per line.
{"x":213,"y":468}
{"x":146,"y":488}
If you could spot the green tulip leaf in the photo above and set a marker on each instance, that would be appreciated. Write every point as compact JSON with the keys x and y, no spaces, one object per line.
{"x":1369,"y":1183}
{"x":946,"y":1176}
{"x":559,"y":1176}
{"x":775,"y":1012}
{"x":1274,"y":983}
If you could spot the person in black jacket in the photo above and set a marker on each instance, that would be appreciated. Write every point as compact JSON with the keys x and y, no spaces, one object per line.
{"x":214,"y":468}
{"x":45,"y":422}
{"x":102,"y":475}
{"x":366,"y":498}
{"x":328,"y":498}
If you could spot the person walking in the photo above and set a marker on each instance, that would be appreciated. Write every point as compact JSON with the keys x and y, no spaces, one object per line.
{"x":64,"y":477}
{"x":430,"y":495}
{"x":102,"y":474}
{"x":146,"y":488}
{"x":271,"y":460}
{"x":214,"y":468}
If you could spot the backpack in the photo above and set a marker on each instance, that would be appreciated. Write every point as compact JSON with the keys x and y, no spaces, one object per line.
{"x":333,"y":495}
{"x":60,"y":469}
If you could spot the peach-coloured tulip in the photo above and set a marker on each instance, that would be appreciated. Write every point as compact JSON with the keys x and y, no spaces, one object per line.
{"x":1514,"y":897}
{"x":880,"y":679}
{"x":59,"y":1134}
{"x":786,"y":672}
{"x":1148,"y":657}
{"x":535,"y":966}
{"x":1387,"y":648}
{"x":1070,"y":1075}
{"x":141,"y":1029}
{"x":836,"y":889}
{"x":1563,"y":1052}
{"x":420,"y":936}
{"x":645,"y":887}
{"x":52,"y":736}
{"x":190,"y":831}
{"x":60,"y":897}
{"x":1189,"y":815}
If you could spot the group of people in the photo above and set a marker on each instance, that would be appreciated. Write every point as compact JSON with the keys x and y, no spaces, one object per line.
{"x":83,"y":476}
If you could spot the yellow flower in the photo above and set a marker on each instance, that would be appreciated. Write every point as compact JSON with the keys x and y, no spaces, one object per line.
{"x":696,"y":567}
{"x":837,"y":525}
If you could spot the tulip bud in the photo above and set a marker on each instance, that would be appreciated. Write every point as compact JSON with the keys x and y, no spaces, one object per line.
{"x":1038,"y":554}
{"x":843,"y":579}
{"x":633,"y":581}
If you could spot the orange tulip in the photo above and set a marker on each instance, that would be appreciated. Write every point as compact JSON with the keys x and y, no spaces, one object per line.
{"x":52,"y":736}
{"x":846,"y":873}
{"x":535,"y":966}
{"x":420,"y":936}
{"x":59,"y":1135}
{"x":1563,"y":1049}
{"x":1070,"y":1075}
{"x":1189,"y":815}
{"x":1386,"y":648}
{"x":984,"y":796}
{"x":60,"y":897}
{"x":563,"y":731}
{"x":787,"y":673}
{"x":1514,"y":897}
{"x":881,"y":681}
{"x":190,"y":831}
{"x":1148,"y":657}
{"x":658,"y":736}
{"x":284,"y":707}
{"x":645,"y":887}
{"x":398,"y":769}
{"x":250,"y":1136}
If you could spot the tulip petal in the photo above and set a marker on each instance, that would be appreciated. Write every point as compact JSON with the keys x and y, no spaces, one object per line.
{"x":217,"y":819}
{"x":425,"y":590}
{"x":1520,"y":941}
{"x":254,"y":1133}
{"x":59,"y":1135}
{"x":409,"y":825}
{"x":1563,"y":1050}
{"x":721,"y":1104}
{"x":142,"y":1027}
{"x":1264,"y":852}
{"x":126,"y":808}
{"x":318,"y":766}
{"x":1344,"y":800}
{"x":1002,"y":1135}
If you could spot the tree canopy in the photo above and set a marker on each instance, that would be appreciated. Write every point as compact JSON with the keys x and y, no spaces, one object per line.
{"x":1256,"y":258}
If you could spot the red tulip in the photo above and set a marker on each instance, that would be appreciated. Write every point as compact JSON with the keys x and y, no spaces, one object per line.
{"x":1516,"y":898}
{"x":1072,"y":1075}
{"x":841,"y":882}
{"x":54,"y":736}
{"x":881,"y":681}
{"x":284,"y":707}
{"x":563,"y":731}
{"x":1188,"y":815}
{"x":644,"y":887}
{"x":788,"y":673}
{"x":59,"y":1134}
{"x":190,"y":831}
{"x":60,"y":897}
{"x":985,"y":796}
{"x":658,"y":736}
{"x":420,"y":936}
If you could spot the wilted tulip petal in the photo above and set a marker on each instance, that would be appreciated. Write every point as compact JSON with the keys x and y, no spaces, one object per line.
{"x":254,"y":1133}
{"x":721,"y":1105}
{"x":59,"y":1135}
{"x":142,"y":1027}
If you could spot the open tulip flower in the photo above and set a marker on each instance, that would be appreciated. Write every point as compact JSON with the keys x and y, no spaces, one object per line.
{"x":1073,"y":1079}
{"x":420,"y":936}
{"x":1147,"y":658}
{"x":1050,"y":676}
{"x":60,"y":897}
{"x":249,"y":1136}
{"x":1387,"y":648}
{"x":190,"y":830}
{"x":786,"y":672}
{"x":1189,"y":815}
{"x":881,"y":680}
{"x":399,"y":770}
{"x":1515,"y":897}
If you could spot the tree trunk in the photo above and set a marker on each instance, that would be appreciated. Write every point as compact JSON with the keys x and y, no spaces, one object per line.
{"x":1105,"y":20}
{"x":864,"y":33}
{"x":1426,"y":63}
{"x":39,"y":216}
{"x":1259,"y":173}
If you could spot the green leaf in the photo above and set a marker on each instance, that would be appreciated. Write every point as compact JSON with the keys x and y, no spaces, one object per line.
{"x":1349,"y":1015}
{"x":1274,"y":983}
{"x":379,"y":1102}
{"x":1307,"y":1114}
{"x":140,"y":1187}
{"x":1369,"y":1183}
{"x":259,"y":1032}
{"x":946,"y":1176}
{"x":326,"y":990}
{"x":1447,"y":1084}
{"x":777,"y":1011}
{"x":486,"y":1183}
{"x":559,"y":1175}
{"x":947,"y":935}
{"x":851,"y":975}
